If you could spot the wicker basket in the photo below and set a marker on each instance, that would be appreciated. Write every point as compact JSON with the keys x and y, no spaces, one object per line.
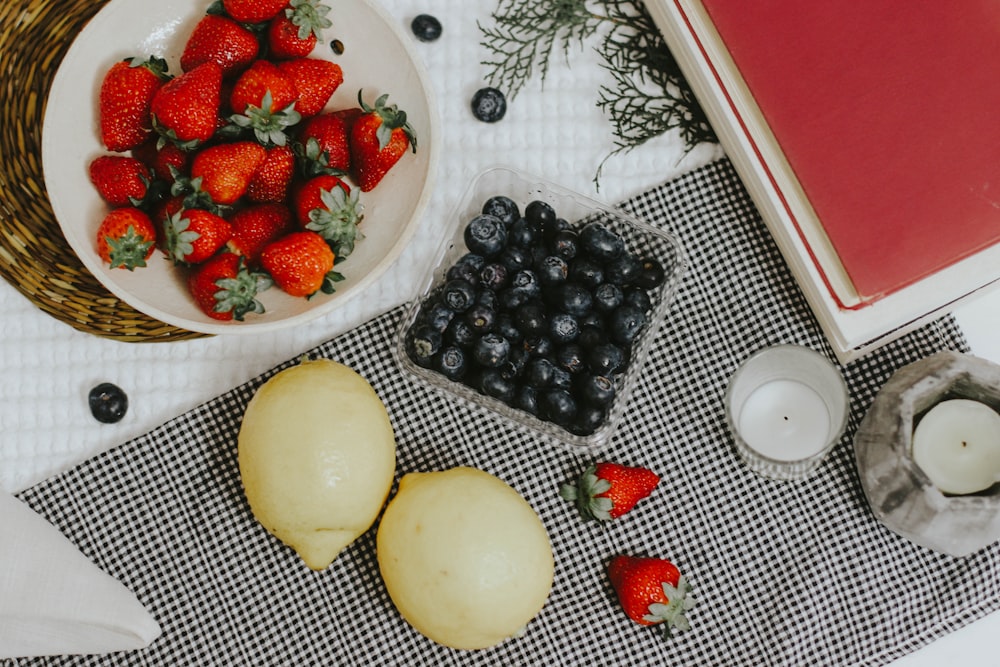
{"x":34,"y":256}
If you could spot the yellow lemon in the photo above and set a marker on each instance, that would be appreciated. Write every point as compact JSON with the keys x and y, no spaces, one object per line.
{"x":464,"y":557}
{"x":317,"y":457}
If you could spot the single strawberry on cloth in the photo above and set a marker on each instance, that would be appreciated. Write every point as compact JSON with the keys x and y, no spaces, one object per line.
{"x":55,"y":600}
{"x":783,"y":573}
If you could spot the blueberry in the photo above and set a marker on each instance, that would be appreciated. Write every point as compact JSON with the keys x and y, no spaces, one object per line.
{"x":460,"y":333}
{"x":539,"y":213}
{"x":485,"y":235}
{"x":477,"y":262}
{"x":506,"y":327}
{"x":491,"y":350}
{"x":586,"y":272}
{"x":623,"y":270}
{"x":607,"y":297}
{"x":425,"y":27}
{"x":463,"y":271}
{"x":437,"y":315}
{"x":552,"y":270}
{"x":591,"y":337}
{"x":570,"y":358}
{"x":489,"y":105}
{"x":516,"y":362}
{"x":459,"y":295}
{"x":108,"y":403}
{"x":606,"y":359}
{"x":552,"y":228}
{"x":521,"y":234}
{"x":481,"y":318}
{"x":588,"y":419}
{"x":515,"y":258}
{"x":539,"y":373}
{"x":512,"y":299}
{"x":526,"y":282}
{"x":625,"y":324}
{"x":596,"y":390}
{"x":530,"y":319}
{"x":591,"y":318}
{"x":526,"y":399}
{"x":492,"y":383}
{"x":574,"y":299}
{"x":600,"y":242}
{"x":565,"y":243}
{"x":425,"y":342}
{"x":451,"y":362}
{"x":488,"y":298}
{"x":638,"y":297}
{"x":651,"y":274}
{"x":558,"y":405}
{"x":563,"y":328}
{"x":502,"y":208}
{"x":561,"y":378}
{"x":493,"y":276}
{"x":540,"y":346}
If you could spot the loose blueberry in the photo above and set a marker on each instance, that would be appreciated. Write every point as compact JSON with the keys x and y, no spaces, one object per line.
{"x":625,"y":324}
{"x":531,"y":319}
{"x":605,"y":359}
{"x":489,"y":105}
{"x":527,"y":399}
{"x":516,"y":258}
{"x":526,"y":282}
{"x":481,"y":318}
{"x":493,"y":276}
{"x":539,"y":373}
{"x":521,"y":234}
{"x":452,"y":363}
{"x":652,"y":274}
{"x":459,"y":295}
{"x":570,"y":358}
{"x":558,"y":405}
{"x":426,"y":341}
{"x":638,"y":297}
{"x":552,"y":270}
{"x":574,"y":299}
{"x":586,"y":272}
{"x":108,"y":403}
{"x":463,"y":271}
{"x":607,"y":297}
{"x":491,"y":350}
{"x":460,"y":333}
{"x":596,"y":390}
{"x":588,"y":419}
{"x":539,"y":214}
{"x":485,"y":235}
{"x":563,"y":328}
{"x":623,"y":270}
{"x":600,"y":242}
{"x":492,"y":383}
{"x":437,"y":315}
{"x":502,"y":208}
{"x":566,"y":243}
{"x":506,"y":327}
{"x":425,"y":27}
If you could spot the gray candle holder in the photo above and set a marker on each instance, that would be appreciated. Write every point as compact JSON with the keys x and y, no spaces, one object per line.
{"x":900,"y":495}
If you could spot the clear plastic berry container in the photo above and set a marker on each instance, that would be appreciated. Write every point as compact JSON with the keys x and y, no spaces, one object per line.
{"x":534,"y":406}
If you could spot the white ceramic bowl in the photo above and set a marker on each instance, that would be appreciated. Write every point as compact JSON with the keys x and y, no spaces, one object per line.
{"x":71,"y":140}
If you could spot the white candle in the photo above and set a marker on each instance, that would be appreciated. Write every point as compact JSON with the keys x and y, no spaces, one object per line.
{"x":785,"y":420}
{"x":957,"y":445}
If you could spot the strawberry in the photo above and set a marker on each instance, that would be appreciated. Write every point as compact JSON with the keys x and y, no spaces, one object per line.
{"x":225,"y":170}
{"x":263,"y":99}
{"x":323,"y":142}
{"x":126,"y":94}
{"x":326,"y":205}
{"x":225,"y":289}
{"x":256,"y":226}
{"x":185,"y":108}
{"x":193,"y":235}
{"x":253,"y":11}
{"x":651,"y":591}
{"x":271,"y":180}
{"x":164,"y":161}
{"x":301,"y":263}
{"x":379,"y":138}
{"x":315,"y":80}
{"x":120,"y":180}
{"x":222,"y":41}
{"x":126,"y":238}
{"x":606,"y":491}
{"x":294,"y":32}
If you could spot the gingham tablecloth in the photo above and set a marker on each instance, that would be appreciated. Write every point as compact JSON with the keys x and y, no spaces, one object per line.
{"x":784,"y":573}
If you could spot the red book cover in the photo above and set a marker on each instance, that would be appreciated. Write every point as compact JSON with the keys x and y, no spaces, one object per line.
{"x":887,"y":113}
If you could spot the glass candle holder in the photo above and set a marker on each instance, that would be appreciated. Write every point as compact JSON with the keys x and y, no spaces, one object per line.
{"x":786,"y":407}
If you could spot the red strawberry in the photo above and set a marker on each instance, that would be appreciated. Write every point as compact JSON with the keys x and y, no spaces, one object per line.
{"x":185,"y":109}
{"x":165,"y":160}
{"x":126,"y":238}
{"x":379,"y":138}
{"x":263,"y":99}
{"x":271,"y":180}
{"x":294,"y":32}
{"x":193,"y":235}
{"x":326,"y":205}
{"x":225,"y":170}
{"x":124,"y":101}
{"x":222,"y":41}
{"x":605,"y":491}
{"x":253,"y":11}
{"x":301,"y":263}
{"x":120,"y":180}
{"x":323,"y":142}
{"x":256,"y":226}
{"x":225,"y":289}
{"x":315,"y":80}
{"x":651,"y":591}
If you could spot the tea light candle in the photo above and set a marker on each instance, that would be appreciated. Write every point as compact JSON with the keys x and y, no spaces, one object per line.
{"x":957,"y":445}
{"x":786,"y":407}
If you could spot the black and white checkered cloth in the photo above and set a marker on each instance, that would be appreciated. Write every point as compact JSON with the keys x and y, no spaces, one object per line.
{"x":784,"y":573}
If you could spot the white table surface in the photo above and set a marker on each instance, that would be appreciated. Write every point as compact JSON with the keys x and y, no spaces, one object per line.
{"x":47,"y":367}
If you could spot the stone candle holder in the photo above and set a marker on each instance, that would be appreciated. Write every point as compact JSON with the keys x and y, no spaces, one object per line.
{"x":900,"y":495}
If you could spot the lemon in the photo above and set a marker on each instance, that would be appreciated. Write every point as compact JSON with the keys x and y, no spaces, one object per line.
{"x":464,"y":557}
{"x":317,"y":455}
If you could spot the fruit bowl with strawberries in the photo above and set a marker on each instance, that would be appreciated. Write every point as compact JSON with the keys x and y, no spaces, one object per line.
{"x":542,"y":305}
{"x":240,"y":165}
